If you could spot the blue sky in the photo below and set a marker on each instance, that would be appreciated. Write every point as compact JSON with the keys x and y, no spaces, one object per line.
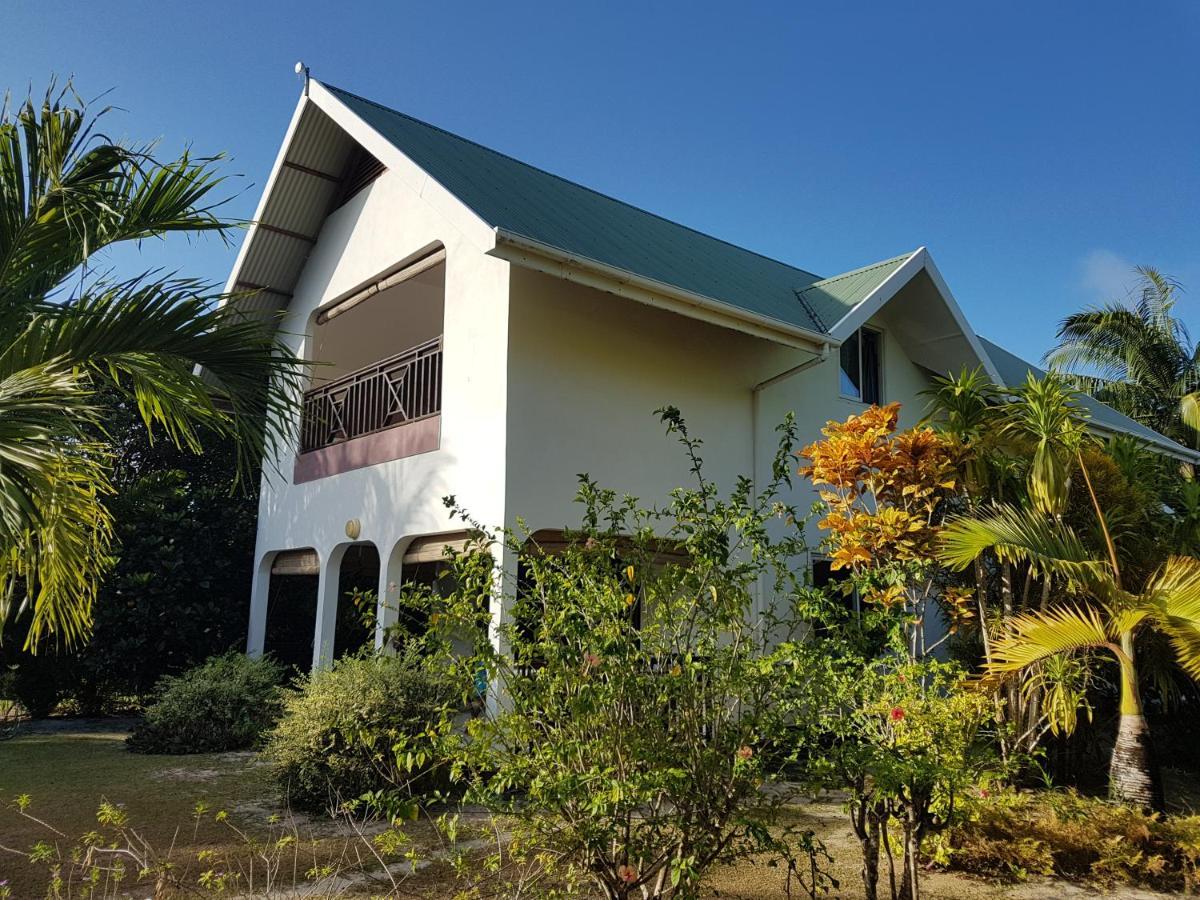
{"x":1038,"y":149}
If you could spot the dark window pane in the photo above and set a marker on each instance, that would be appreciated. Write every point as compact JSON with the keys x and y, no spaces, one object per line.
{"x":851,"y":384}
{"x":869,"y":344}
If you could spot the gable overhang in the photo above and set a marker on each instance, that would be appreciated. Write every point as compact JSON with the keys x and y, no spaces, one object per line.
{"x":939,"y":337}
{"x":298,"y":195}
{"x":547,"y":259}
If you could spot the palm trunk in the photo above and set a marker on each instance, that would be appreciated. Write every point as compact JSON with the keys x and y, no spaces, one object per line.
{"x":1133,"y":775}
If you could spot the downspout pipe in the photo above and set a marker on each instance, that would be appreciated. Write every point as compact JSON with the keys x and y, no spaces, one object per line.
{"x":755,"y":402}
{"x":756,"y":394}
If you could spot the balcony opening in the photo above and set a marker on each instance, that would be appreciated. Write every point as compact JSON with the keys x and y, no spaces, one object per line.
{"x":377,"y":363}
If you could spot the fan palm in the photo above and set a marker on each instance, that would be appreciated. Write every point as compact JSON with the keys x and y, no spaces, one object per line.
{"x":1098,"y":615}
{"x":1138,"y":357}
{"x":69,"y":337}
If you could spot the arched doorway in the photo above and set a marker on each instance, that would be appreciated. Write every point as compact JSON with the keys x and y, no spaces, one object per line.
{"x":358,"y":582}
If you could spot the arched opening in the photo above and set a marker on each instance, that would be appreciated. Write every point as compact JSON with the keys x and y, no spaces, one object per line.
{"x":292,"y":608}
{"x":358,"y":583}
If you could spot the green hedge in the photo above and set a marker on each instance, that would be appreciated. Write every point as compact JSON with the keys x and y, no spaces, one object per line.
{"x":346,"y":730}
{"x":226,"y":703}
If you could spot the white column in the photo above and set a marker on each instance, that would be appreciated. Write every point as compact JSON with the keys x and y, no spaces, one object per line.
{"x":260,"y":590}
{"x":391,"y":568}
{"x":327,"y":607}
{"x":504,"y":595}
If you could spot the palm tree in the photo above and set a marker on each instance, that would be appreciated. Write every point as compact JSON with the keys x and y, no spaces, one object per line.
{"x":1138,"y":357}
{"x":70,"y":337}
{"x":1101,"y":616}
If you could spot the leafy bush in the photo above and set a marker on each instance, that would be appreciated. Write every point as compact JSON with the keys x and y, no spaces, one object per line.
{"x":361,"y":727}
{"x":638,"y":695}
{"x":1063,"y":833}
{"x":224,"y":704}
{"x":36,"y":684}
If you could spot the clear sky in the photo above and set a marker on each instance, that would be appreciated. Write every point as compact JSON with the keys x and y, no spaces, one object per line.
{"x":1039,"y":149}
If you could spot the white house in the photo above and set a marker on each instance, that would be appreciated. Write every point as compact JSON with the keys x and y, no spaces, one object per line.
{"x":486,"y":329}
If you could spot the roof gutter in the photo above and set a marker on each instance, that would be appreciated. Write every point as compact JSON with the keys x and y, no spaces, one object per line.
{"x":552,"y":260}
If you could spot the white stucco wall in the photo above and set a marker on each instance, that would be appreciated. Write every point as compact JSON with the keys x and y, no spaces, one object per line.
{"x":398,"y":500}
{"x":587,"y":369}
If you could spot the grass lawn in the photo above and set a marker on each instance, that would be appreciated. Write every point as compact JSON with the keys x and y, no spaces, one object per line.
{"x":67,"y":770}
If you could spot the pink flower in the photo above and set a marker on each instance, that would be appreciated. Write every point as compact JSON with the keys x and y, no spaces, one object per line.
{"x":896,"y":714}
{"x":626,"y":873}
{"x":984,"y":793}
{"x":744,"y":753}
{"x":590,"y":661}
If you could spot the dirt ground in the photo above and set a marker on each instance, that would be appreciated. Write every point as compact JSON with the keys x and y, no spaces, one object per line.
{"x":67,"y":768}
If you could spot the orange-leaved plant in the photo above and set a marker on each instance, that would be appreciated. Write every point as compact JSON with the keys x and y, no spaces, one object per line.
{"x":883,"y":491}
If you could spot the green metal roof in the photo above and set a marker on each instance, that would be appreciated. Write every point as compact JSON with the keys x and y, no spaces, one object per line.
{"x":828,"y":300}
{"x":529,"y":202}
{"x":1013,"y":371}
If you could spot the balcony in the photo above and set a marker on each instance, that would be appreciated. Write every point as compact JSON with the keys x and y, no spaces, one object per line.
{"x":400,"y":390}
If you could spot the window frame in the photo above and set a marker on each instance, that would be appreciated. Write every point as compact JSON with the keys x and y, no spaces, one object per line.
{"x":879,"y":332}
{"x":854,"y":597}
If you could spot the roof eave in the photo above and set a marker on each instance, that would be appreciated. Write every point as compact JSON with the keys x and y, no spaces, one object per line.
{"x":533,"y":254}
{"x":1165,"y":445}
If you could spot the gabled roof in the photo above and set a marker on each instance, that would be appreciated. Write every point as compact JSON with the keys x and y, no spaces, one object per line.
{"x":1013,"y":371}
{"x":523,"y":200}
{"x":830,"y":299}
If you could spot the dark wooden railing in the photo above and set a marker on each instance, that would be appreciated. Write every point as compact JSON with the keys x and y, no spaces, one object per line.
{"x":393,"y":391}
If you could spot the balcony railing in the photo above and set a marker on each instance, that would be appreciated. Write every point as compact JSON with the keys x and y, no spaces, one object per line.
{"x":393,"y":391}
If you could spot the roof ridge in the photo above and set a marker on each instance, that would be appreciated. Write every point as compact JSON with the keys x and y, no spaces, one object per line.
{"x":584,"y":187}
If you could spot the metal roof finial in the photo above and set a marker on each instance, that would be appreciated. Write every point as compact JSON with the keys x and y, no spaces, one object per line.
{"x":302,"y":69}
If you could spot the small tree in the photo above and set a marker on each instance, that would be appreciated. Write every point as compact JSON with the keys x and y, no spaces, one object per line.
{"x":639,"y":702}
{"x":897,"y":730}
{"x":882,"y":492}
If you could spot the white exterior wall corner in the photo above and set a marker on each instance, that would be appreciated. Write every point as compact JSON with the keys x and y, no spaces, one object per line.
{"x":397,"y":500}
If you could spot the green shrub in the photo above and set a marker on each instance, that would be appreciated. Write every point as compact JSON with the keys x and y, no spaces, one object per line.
{"x":224,"y":704}
{"x":362,"y":726}
{"x":37,"y":684}
{"x":1063,"y":833}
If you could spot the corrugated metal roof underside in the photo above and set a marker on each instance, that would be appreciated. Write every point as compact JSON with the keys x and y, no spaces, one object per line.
{"x":830,"y":299}
{"x":298,"y":204}
{"x":527,"y":201}
{"x":1013,"y":370}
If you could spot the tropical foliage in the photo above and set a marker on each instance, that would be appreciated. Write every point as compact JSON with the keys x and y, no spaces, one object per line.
{"x":1136,"y":354}
{"x":1105,"y":618}
{"x":160,"y":609}
{"x":70,"y":334}
{"x":1017,"y":835}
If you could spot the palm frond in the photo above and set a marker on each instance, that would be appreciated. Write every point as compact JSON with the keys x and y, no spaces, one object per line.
{"x":55,"y":532}
{"x":1019,"y":535}
{"x":1037,"y":636}
{"x":148,"y":337}
{"x":1172,"y":598}
{"x":67,"y":192}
